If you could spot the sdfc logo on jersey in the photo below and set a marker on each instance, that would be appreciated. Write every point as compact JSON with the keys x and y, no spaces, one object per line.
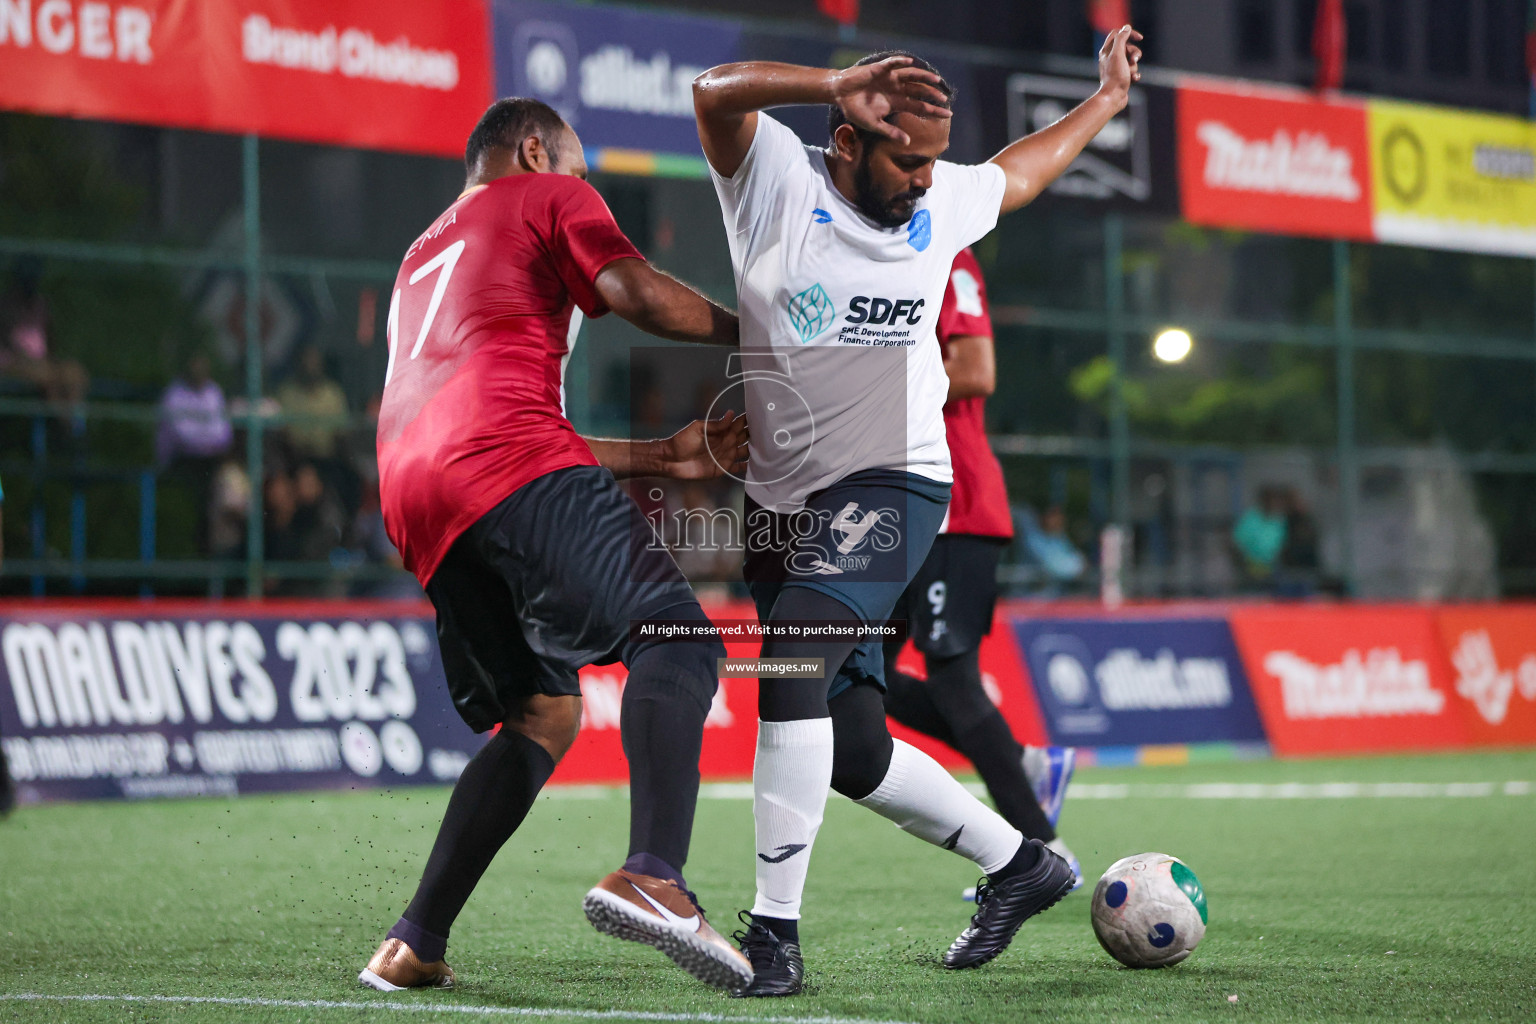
{"x":812,"y":312}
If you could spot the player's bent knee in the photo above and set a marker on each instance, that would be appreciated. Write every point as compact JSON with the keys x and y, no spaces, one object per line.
{"x":550,"y":721}
{"x":673,"y":669}
{"x":861,"y":742}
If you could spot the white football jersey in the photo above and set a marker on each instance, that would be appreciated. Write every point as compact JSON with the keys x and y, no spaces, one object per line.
{"x":839,"y":360}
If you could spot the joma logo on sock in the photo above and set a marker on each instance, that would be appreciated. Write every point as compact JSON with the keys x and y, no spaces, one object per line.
{"x":789,"y":850}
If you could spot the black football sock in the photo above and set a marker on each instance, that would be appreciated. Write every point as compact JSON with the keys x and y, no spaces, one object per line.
{"x":783,"y":927}
{"x":983,"y":736}
{"x":662,"y":728}
{"x":489,"y":801}
{"x":661,"y":723}
{"x":1027,"y":859}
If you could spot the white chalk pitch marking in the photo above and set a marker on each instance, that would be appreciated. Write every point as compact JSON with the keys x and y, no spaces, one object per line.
{"x":536,"y":1012}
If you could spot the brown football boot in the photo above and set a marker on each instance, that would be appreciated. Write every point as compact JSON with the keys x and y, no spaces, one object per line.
{"x":658,"y":912}
{"x":395,"y":966}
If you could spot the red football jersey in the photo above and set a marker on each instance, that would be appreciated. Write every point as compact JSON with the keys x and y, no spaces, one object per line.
{"x":978,"y":504}
{"x":477,"y":348}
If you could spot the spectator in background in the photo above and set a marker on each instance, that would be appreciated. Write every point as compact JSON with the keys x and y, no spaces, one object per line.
{"x":194,"y":423}
{"x":1044,"y":543}
{"x":372,"y":542}
{"x":229,"y":505}
{"x":309,"y":392}
{"x":1259,"y":535}
{"x":194,"y":434}
{"x":25,"y":356}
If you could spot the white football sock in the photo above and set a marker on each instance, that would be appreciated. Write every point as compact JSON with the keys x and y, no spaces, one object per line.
{"x":790,"y":780}
{"x":928,"y":802}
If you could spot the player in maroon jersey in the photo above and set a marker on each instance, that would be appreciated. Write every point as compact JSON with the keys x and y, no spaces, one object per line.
{"x":536,"y":561}
{"x":949,"y":604}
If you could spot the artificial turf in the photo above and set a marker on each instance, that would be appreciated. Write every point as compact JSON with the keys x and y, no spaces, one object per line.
{"x":1344,"y":908}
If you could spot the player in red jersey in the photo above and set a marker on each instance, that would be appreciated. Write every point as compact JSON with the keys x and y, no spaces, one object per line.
{"x":949,"y":604}
{"x":536,"y":561}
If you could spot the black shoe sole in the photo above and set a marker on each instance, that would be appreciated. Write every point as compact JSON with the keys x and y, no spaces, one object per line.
{"x":751,"y":993}
{"x":987,"y":958}
{"x":689,"y":952}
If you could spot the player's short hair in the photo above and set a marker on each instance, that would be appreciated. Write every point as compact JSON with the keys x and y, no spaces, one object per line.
{"x":836,"y":118}
{"x":508,"y":122}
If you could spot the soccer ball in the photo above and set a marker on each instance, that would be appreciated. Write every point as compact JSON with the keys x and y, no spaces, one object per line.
{"x":1149,"y":910}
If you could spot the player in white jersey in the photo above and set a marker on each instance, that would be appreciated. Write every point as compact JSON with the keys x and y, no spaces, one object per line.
{"x":841,"y":257}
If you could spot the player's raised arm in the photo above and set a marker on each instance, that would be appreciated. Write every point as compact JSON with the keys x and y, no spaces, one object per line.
{"x":726,"y":100}
{"x":1033,"y":162}
{"x":660,"y":304}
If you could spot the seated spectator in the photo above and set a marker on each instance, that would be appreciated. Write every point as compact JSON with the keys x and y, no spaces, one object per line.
{"x":229,"y":504}
{"x":371,"y":540}
{"x":1259,"y":534}
{"x":24,"y":354}
{"x":1044,"y":543}
{"x":194,"y":435}
{"x":309,"y":392}
{"x":194,"y":423}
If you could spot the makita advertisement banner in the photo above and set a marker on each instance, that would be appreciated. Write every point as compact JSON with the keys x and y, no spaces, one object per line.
{"x":1275,"y":161}
{"x":1134,"y":681}
{"x":379,"y":74}
{"x":1347,"y":679}
{"x":184,"y":700}
{"x":623,"y":78}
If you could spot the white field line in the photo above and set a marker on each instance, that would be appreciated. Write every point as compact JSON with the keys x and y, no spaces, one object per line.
{"x":1148,"y":791}
{"x":538,"y":1012}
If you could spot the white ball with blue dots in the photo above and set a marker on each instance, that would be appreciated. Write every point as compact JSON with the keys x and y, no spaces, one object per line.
{"x":1149,"y":910}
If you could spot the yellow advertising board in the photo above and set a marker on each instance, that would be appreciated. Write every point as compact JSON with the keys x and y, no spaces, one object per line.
{"x":1450,"y":179}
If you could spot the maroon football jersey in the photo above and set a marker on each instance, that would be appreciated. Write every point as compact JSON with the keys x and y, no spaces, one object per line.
{"x":978,"y":504}
{"x":477,"y":348}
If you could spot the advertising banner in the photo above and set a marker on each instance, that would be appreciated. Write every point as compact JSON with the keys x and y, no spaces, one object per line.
{"x":155,"y":703}
{"x":1451,"y":179}
{"x":623,"y":78}
{"x":1493,"y":669}
{"x":1128,"y":682}
{"x":1338,"y":679}
{"x":379,"y":74}
{"x":1130,"y":164}
{"x":1266,"y":160}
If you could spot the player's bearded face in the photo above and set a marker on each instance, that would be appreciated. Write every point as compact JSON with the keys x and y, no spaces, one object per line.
{"x":889,"y":179}
{"x":887,"y":205}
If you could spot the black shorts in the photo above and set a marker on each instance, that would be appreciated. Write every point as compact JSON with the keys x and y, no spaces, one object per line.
{"x":949,"y":604}
{"x":544,"y":583}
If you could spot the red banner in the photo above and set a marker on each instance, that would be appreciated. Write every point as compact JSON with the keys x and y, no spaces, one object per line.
{"x":378,"y":74}
{"x":1267,"y":161}
{"x":1492,"y":650}
{"x":1336,"y":679}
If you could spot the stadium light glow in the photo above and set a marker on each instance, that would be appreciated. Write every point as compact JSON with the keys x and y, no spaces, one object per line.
{"x":1172,"y":345}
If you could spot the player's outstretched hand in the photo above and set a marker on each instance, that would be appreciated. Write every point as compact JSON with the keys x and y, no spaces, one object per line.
{"x":868,"y":93}
{"x":705,"y":449}
{"x":1120,"y":60}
